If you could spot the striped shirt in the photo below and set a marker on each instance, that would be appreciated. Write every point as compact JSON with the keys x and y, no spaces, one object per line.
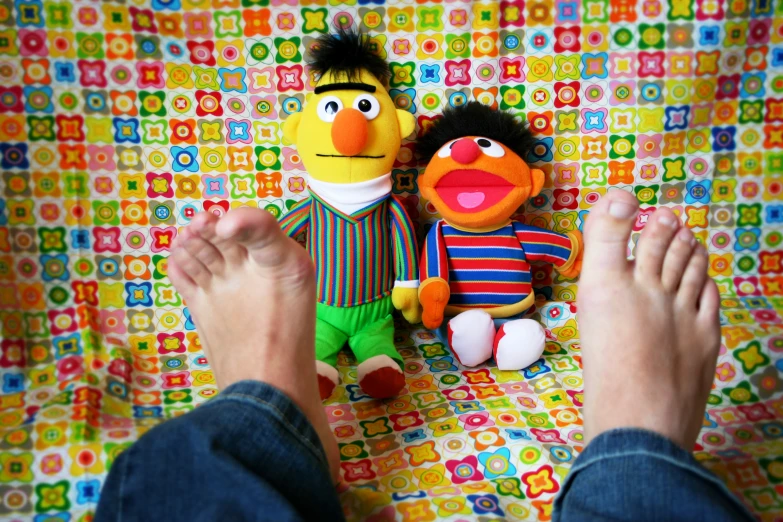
{"x":490,"y":269}
{"x":357,"y":257}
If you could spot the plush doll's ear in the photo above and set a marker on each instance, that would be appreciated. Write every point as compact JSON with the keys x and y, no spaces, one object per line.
{"x":538,"y":178}
{"x":291,"y":127}
{"x":407,"y":123}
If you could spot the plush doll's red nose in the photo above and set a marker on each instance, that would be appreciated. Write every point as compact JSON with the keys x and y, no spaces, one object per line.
{"x":465,"y":151}
{"x":349,"y":132}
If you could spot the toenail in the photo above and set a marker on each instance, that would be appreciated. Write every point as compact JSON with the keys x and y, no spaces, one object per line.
{"x":668,"y":221}
{"x":685,"y":235}
{"x":621,"y":210}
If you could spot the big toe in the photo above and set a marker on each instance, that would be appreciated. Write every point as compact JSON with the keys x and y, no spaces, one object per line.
{"x":654,"y":244}
{"x":258,"y":231}
{"x":607,"y":230}
{"x":205,"y":226}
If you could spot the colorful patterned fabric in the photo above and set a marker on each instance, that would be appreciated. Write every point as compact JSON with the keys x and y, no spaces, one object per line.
{"x":119,"y":121}
{"x":490,"y":269}
{"x":357,"y":257}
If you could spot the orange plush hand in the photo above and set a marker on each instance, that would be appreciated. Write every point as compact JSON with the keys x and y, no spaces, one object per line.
{"x":574,"y":270}
{"x":433,"y":296}
{"x":577,"y":245}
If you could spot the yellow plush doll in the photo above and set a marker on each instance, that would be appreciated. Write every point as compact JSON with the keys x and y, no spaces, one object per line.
{"x":358,"y":234}
{"x":475,"y":265}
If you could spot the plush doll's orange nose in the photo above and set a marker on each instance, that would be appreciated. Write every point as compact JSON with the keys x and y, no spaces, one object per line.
{"x":465,"y":151}
{"x":349,"y":132}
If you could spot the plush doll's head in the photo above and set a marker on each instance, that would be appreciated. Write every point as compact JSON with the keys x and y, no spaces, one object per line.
{"x":349,"y":130}
{"x":477,"y":175}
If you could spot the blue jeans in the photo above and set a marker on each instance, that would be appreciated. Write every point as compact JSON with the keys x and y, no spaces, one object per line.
{"x":250,"y":454}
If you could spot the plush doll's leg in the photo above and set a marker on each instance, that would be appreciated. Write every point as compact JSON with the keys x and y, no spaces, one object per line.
{"x":470,"y":337}
{"x":328,"y":341}
{"x":380,"y":365}
{"x":518,"y":344}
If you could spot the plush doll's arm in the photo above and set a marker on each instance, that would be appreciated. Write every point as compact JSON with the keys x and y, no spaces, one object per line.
{"x":562,"y":250}
{"x":405,"y":296}
{"x":434,"y":290}
{"x":297,"y":219}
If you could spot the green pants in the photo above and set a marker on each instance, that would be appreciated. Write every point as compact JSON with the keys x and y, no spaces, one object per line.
{"x":368,"y":328}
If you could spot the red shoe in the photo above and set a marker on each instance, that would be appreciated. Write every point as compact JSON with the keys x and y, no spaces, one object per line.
{"x":328,"y":379}
{"x":380,"y":377}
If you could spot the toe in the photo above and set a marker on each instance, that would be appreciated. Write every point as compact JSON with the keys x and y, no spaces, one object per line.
{"x":204,"y":223}
{"x":181,"y":280}
{"x":606,"y":233}
{"x":708,"y":321}
{"x":258,"y":231}
{"x":654,"y":243}
{"x":232,"y":252}
{"x":676,"y":259}
{"x":206,"y":253}
{"x":252,"y":226}
{"x":182,"y":235}
{"x":191,"y":269}
{"x":709,"y":303}
{"x":693,"y":279}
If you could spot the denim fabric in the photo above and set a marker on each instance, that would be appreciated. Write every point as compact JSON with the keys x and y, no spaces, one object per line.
{"x":249,"y":454}
{"x":637,"y":476}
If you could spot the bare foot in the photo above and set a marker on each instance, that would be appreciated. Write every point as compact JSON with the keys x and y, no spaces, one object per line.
{"x":650,"y":328}
{"x":251,"y":291}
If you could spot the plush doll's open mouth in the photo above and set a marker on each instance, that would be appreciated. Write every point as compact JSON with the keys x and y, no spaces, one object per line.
{"x":472,"y":190}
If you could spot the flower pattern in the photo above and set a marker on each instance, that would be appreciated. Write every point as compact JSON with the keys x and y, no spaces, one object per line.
{"x":112,"y":140}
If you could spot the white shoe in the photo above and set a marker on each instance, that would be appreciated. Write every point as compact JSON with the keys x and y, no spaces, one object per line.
{"x":471,"y":335}
{"x":518,"y":344}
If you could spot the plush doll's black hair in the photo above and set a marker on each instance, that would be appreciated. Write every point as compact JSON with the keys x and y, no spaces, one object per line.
{"x":347,"y":51}
{"x":476,"y":119}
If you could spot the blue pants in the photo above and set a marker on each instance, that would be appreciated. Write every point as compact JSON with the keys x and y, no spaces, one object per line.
{"x":250,"y":454}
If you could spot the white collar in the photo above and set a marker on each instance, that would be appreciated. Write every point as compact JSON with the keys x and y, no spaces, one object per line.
{"x":350,"y":197}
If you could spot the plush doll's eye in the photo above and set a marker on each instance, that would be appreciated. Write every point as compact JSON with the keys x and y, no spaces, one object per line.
{"x":490,"y":148}
{"x":329,"y":107}
{"x":368,"y":105}
{"x":445,"y":151}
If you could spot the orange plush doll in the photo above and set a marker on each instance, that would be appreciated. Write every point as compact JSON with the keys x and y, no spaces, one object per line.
{"x":475,"y":265}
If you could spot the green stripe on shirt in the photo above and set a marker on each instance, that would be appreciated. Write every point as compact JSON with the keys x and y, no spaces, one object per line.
{"x":357,"y":256}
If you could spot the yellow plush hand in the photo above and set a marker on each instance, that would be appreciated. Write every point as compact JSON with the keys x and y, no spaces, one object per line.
{"x":407,"y":301}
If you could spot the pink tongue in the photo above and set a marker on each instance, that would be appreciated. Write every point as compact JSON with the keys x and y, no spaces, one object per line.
{"x":470,"y":199}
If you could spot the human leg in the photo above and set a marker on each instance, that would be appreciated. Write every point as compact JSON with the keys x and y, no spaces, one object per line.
{"x":251,"y":292}
{"x":650,"y":338}
{"x":249,"y":454}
